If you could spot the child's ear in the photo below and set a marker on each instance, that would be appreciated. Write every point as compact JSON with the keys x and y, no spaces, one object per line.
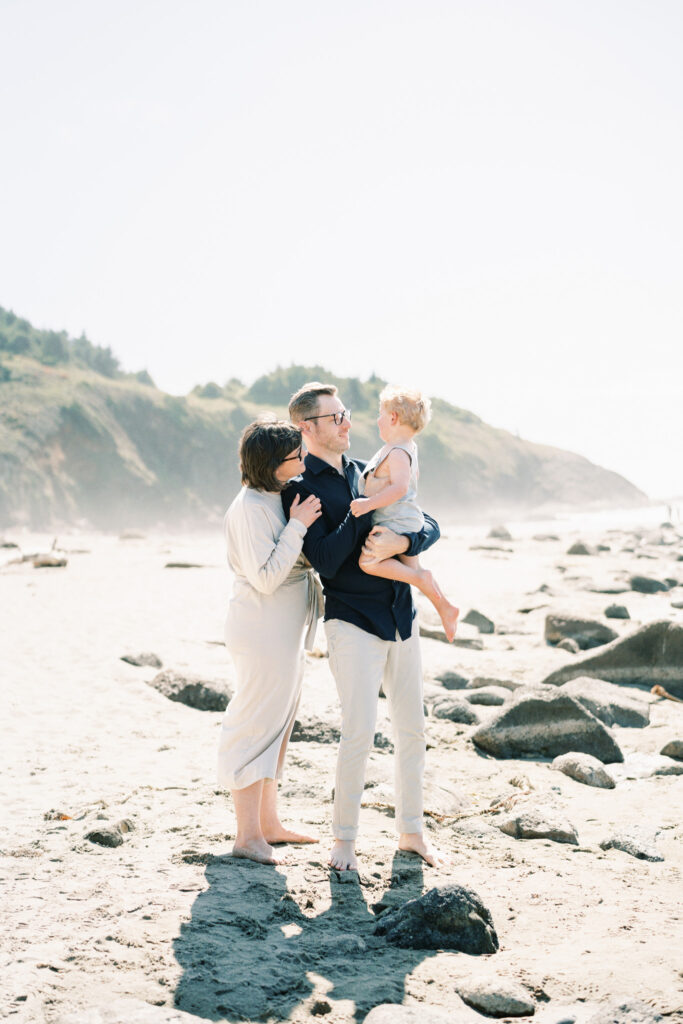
{"x":394,"y":418}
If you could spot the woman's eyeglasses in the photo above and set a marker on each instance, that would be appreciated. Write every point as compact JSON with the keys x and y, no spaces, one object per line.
{"x":338,"y":417}
{"x":298,"y":454}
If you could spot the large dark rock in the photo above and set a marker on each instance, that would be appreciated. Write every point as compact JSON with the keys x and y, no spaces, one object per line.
{"x":617,"y":611}
{"x":674,"y":748}
{"x":609,"y":702}
{"x":586,"y":632}
{"x":448,"y":917}
{"x":202,"y":694}
{"x":579,"y":547}
{"x":652,"y":654}
{"x":481,"y":621}
{"x":544,"y":725}
{"x":647,"y":585}
{"x":310,"y":729}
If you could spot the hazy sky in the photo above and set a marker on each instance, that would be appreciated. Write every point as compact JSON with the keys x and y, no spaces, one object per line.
{"x":481,"y":198}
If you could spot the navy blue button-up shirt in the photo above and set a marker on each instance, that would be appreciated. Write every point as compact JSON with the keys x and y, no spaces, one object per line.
{"x":333,"y":546}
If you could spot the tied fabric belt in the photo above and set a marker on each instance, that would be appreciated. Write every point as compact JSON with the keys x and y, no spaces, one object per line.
{"x":315,"y":603}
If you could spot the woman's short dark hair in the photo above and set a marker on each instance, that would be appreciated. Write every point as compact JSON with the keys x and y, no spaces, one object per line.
{"x":264,"y":445}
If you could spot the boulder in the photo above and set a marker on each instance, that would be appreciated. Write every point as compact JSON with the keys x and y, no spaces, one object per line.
{"x":609,"y":703}
{"x":647,"y":585}
{"x":635,"y":843}
{"x":201,"y":694}
{"x":617,"y":611}
{"x":106,"y":835}
{"x":482,"y":622}
{"x":145,"y":658}
{"x":535,"y":823}
{"x":432,"y":631}
{"x":586,"y":632}
{"x":584,"y":768}
{"x":569,"y":644}
{"x":545,"y":724}
{"x":497,"y":997}
{"x":454,"y":709}
{"x":674,"y":748}
{"x":447,"y":917}
{"x":489,"y":696}
{"x":652,"y":654}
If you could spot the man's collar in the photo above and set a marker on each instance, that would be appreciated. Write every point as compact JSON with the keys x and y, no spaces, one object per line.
{"x":318,"y":466}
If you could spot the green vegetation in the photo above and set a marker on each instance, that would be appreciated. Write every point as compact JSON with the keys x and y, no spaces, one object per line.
{"x":82,"y":441}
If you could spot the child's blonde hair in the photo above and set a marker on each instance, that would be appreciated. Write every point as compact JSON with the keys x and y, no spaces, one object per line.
{"x":413,"y":408}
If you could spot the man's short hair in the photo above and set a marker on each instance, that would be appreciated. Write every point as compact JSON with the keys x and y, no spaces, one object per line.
{"x":413,"y":408}
{"x":304,"y":402}
{"x":264,"y":445}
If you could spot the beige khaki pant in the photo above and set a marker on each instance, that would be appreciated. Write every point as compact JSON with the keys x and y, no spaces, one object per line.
{"x":361,"y":663}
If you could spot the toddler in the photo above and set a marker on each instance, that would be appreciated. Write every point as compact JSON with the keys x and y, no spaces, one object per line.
{"x":390,"y":493}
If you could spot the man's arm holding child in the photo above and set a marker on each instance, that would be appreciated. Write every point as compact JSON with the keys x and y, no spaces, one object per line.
{"x":384,"y":543}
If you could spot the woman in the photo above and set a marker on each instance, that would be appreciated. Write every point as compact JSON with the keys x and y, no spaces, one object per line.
{"x":275,"y":599}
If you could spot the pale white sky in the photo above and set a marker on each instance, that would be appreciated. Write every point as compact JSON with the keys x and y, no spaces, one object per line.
{"x":481,"y":198}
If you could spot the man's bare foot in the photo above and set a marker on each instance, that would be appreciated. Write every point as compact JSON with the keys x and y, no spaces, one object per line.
{"x":258,"y":850}
{"x":343,"y":855}
{"x":277,"y":833}
{"x":415,"y":842}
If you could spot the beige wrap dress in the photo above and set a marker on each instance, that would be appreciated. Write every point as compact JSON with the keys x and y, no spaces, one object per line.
{"x":275,"y":605}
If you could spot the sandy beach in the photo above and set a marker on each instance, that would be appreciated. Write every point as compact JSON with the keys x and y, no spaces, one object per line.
{"x":169,"y":919}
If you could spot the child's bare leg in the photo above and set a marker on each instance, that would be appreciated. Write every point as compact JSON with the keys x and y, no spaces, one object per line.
{"x":395,"y":569}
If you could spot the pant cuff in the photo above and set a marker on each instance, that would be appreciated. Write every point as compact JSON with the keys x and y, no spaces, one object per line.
{"x":344,"y":833}
{"x":410,"y":825}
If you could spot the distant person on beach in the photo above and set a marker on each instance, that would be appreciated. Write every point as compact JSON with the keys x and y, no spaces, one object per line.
{"x":273,"y":612}
{"x":390,"y":493}
{"x":370,"y":623}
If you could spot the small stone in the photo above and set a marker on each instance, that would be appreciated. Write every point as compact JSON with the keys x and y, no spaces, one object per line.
{"x":497,"y":997}
{"x":321,"y":1007}
{"x":617,"y":611}
{"x":569,"y":644}
{"x":454,"y":709}
{"x":584,"y":768}
{"x":48,"y":562}
{"x":579,"y":547}
{"x":635,"y":843}
{"x":201,"y":694}
{"x":587,"y":632}
{"x":489,"y":696}
{"x":674,"y":748}
{"x":482,"y":622}
{"x":184,"y":565}
{"x":452,"y":680}
{"x":647,"y":585}
{"x":144,"y":659}
{"x":537,"y":824}
{"x":107,"y":836}
{"x":481,"y":681}
{"x":311,"y":729}
{"x":499,"y":533}
{"x":447,"y":917}
{"x":677,"y":604}
{"x":545,"y":536}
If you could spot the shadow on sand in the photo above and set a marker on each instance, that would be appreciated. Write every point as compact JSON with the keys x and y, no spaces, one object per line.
{"x":254,"y":949}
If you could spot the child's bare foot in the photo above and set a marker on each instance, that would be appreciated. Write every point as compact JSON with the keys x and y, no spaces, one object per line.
{"x":343,"y":855}
{"x":277,"y":833}
{"x":258,"y":850}
{"x":448,"y":614}
{"x":415,"y":842}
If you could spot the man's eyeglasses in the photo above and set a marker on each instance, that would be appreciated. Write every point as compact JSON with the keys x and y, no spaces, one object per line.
{"x":338,"y":417}
{"x":298,"y":454}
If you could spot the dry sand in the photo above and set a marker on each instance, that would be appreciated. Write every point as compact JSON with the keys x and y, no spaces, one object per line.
{"x":170,"y":919}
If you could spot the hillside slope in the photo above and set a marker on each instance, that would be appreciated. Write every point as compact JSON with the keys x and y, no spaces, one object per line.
{"x":114,"y":451}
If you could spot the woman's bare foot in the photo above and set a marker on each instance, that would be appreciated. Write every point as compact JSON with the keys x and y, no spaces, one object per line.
{"x":415,"y":842}
{"x":343,"y":855}
{"x":277,"y":833}
{"x":256,"y":849}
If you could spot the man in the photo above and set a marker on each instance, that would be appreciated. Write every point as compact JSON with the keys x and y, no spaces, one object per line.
{"x":370,"y":623}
